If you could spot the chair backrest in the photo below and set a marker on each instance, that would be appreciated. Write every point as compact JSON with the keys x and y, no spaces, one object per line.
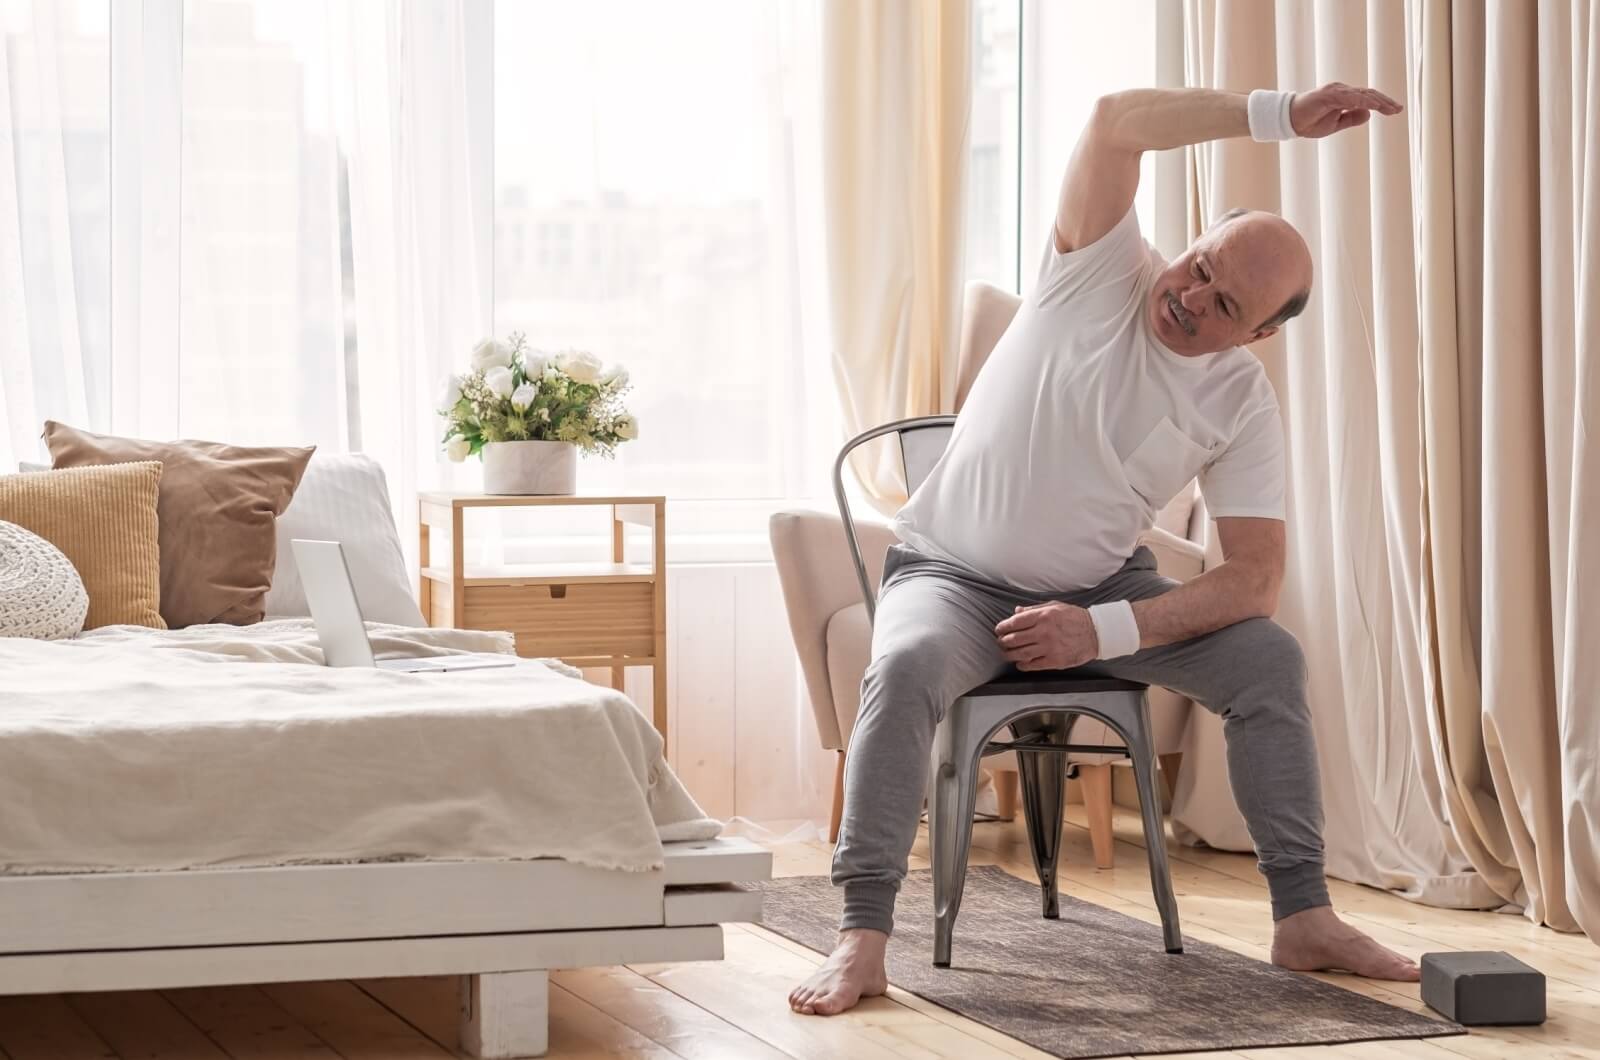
{"x":921,"y":440}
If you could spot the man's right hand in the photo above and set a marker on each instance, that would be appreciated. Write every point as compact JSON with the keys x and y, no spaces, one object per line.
{"x":1335,"y":106}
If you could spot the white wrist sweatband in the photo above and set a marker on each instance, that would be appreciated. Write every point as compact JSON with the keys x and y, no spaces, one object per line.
{"x":1115,"y":628}
{"x":1269,"y":115}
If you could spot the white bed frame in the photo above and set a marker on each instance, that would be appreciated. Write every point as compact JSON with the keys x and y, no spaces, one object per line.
{"x":503,"y":926}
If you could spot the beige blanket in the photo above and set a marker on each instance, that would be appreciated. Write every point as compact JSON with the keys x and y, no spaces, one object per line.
{"x":134,"y":749}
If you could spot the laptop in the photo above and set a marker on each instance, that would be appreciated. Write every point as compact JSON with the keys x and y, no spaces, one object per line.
{"x":337,"y":614}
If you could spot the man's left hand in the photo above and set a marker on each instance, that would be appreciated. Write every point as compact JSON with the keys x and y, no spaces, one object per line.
{"x":1051,"y":636}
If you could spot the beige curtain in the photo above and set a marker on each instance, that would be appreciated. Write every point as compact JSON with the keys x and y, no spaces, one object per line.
{"x":1441,"y":395}
{"x":894,"y":139}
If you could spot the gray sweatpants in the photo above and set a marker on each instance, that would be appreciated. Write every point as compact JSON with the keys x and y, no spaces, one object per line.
{"x":933,"y":639}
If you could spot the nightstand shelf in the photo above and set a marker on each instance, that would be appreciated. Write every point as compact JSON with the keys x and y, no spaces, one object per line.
{"x":594,"y":614}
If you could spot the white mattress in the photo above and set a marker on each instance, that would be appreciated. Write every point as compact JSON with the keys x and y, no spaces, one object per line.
{"x":133,"y":749}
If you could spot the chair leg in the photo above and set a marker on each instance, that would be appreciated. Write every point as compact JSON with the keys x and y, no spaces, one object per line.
{"x":955,"y":790}
{"x":1044,"y":795}
{"x":837,"y":813}
{"x":1155,"y":837}
{"x":1005,"y":793}
{"x":1096,"y":783}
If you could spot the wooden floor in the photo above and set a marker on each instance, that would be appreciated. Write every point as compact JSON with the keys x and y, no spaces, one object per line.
{"x":735,"y":1008}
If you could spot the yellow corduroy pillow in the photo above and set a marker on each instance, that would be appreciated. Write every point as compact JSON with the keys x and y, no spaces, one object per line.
{"x":104,"y":519}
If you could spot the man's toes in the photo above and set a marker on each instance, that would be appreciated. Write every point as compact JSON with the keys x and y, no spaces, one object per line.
{"x":829,"y":1005}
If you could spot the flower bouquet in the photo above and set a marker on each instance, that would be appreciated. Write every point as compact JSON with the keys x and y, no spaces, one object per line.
{"x":528,"y":413}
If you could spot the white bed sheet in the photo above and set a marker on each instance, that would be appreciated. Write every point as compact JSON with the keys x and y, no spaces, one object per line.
{"x":134,"y":749}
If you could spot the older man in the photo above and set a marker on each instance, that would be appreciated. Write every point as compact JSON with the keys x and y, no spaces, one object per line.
{"x":1121,"y":378}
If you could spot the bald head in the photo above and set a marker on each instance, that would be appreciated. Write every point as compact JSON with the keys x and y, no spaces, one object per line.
{"x":1245,"y":275}
{"x":1272,"y":255}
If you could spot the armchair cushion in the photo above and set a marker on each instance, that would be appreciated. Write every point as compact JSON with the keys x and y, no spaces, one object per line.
{"x":818,"y":581}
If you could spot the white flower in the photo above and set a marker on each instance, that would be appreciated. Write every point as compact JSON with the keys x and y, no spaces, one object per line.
{"x":523,"y":396}
{"x":490,"y":353}
{"x":451,"y":393}
{"x":626,"y":427}
{"x":579,"y":366}
{"x":498,"y":380}
{"x":457,"y":449}
{"x":544,"y":414}
{"x":534,"y":364}
{"x":616,"y":376}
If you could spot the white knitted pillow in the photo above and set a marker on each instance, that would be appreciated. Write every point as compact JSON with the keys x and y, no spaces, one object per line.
{"x":41,"y":595}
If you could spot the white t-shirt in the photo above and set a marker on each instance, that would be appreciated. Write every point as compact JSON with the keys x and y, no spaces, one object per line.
{"x":1082,"y":426}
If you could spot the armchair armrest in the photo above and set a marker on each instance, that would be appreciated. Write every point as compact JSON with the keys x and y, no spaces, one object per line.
{"x":818,"y":580}
{"x":1176,"y":557}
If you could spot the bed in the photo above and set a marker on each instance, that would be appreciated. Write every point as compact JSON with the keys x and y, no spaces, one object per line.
{"x":209,"y":806}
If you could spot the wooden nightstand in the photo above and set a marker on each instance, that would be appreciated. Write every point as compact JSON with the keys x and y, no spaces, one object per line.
{"x":586,"y":614}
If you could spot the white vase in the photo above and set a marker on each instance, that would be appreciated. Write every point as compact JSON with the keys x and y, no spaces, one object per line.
{"x":530,"y":467}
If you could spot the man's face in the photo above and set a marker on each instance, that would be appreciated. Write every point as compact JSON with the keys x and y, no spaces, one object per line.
{"x":1218,"y":293}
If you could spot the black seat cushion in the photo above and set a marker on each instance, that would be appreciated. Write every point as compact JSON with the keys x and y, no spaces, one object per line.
{"x":1053,"y":682}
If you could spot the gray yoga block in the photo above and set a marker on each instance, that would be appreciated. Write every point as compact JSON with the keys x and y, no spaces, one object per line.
{"x":1483,"y":988}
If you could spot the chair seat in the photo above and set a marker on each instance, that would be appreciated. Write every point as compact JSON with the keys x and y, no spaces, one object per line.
{"x":1053,"y":683}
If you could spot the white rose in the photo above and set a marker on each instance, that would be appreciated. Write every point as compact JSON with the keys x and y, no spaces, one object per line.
{"x":451,"y":393}
{"x":523,"y":396}
{"x":579,"y":366}
{"x":499,"y":382}
{"x":627,"y":427}
{"x":457,"y":449}
{"x":491,"y":353}
{"x":616,"y":377}
{"x":534,"y":364}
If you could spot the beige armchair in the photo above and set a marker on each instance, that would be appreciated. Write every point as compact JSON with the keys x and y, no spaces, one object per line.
{"x":833,"y":637}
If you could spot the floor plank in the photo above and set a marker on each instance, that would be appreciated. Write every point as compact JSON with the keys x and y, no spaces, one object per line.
{"x":353,"y":1022}
{"x":247,"y":1024}
{"x":143,"y":1025}
{"x":427,"y":1003}
{"x":662,"y":1016}
{"x":44,"y":1027}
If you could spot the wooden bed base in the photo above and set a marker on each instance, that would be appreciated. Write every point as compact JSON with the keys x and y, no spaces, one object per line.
{"x":503,"y":926}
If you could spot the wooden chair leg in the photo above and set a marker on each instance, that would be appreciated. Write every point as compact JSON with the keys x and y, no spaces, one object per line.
{"x":838,"y":799}
{"x":1005,"y":794}
{"x":1170,"y":764}
{"x":1096,"y":781}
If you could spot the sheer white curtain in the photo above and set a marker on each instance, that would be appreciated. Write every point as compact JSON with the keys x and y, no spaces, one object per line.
{"x":260,"y":222}
{"x":54,"y":217}
{"x":418,"y":172}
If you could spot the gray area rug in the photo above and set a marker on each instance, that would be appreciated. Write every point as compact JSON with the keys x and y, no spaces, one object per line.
{"x":1095,"y":982}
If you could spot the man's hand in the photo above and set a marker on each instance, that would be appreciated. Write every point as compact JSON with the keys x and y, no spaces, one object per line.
{"x":1337,"y":106}
{"x":1049,"y":636}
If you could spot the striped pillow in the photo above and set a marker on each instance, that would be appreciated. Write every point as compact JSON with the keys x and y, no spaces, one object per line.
{"x":104,"y":520}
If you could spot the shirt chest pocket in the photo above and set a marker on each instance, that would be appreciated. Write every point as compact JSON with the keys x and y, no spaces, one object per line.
{"x":1164,"y":463}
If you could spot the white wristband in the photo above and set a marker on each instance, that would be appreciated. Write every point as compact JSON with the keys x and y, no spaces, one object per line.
{"x":1269,"y":115}
{"x":1116,"y":629}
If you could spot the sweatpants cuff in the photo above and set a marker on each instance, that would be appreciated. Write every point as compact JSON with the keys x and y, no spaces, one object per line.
{"x":868,"y":905}
{"x":1295,"y":888}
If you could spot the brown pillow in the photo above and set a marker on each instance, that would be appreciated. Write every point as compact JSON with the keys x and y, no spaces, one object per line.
{"x":104,"y":520}
{"x":218,"y":507}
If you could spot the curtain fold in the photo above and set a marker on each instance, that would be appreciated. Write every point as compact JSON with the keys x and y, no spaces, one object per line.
{"x":1437,"y":394}
{"x":895,"y":127}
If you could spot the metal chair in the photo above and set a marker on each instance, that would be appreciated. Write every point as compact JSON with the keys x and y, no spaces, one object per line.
{"x":1039,"y":707}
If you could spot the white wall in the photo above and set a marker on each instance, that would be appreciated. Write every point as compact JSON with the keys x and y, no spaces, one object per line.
{"x":741,"y":734}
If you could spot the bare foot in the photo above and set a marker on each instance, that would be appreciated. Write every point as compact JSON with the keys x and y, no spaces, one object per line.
{"x":853,"y":970}
{"x":1315,"y":940}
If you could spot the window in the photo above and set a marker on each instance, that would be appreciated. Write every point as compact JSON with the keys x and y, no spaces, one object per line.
{"x":658,"y":207}
{"x":261,"y":310}
{"x":991,"y":241}
{"x":1070,"y":59}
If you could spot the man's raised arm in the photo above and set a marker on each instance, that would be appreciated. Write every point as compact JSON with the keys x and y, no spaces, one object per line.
{"x":1103,"y":175}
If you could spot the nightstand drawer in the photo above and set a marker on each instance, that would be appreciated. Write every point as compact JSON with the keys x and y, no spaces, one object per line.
{"x":608,"y":618}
